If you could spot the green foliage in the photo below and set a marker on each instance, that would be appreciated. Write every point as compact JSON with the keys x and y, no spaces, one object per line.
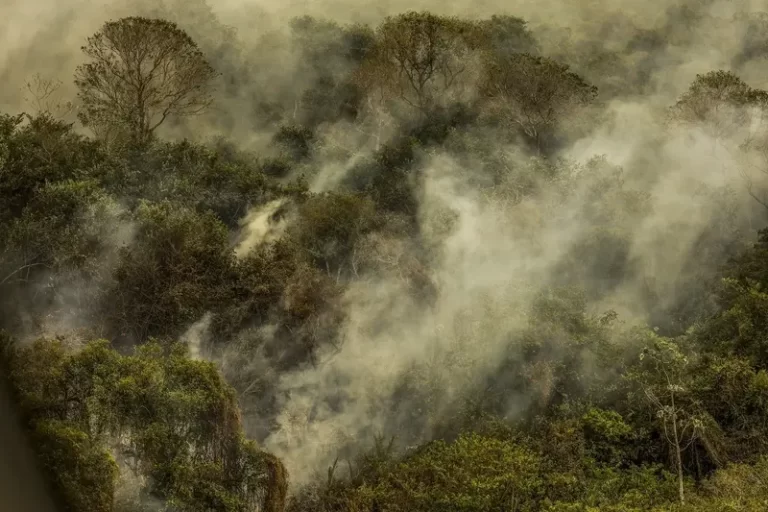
{"x":739,"y":329}
{"x":606,"y":434}
{"x":262,"y":276}
{"x":294,"y":141}
{"x":737,"y":488}
{"x":176,"y":269}
{"x":82,"y":472}
{"x":42,"y":150}
{"x":479,"y":472}
{"x":473,"y":473}
{"x":218,"y":180}
{"x":59,"y":243}
{"x":65,"y":226}
{"x":170,"y":419}
{"x":330,"y":225}
{"x":611,"y":490}
{"x":734,"y":391}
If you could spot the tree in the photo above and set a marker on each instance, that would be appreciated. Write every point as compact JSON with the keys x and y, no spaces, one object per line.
{"x":172,"y":422}
{"x":65,"y":227}
{"x":506,"y":35}
{"x":665,"y":380}
{"x":141,"y":72}
{"x":41,"y":151}
{"x":178,"y":267}
{"x":43,"y":98}
{"x":59,"y":243}
{"x":741,"y":327}
{"x":476,"y":473}
{"x":533,"y":93}
{"x":82,"y":472}
{"x":329,"y":54}
{"x":728,"y":109}
{"x":418,"y":58}
{"x":331,"y":224}
{"x":719,"y":102}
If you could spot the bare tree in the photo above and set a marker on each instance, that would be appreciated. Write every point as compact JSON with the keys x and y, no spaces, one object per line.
{"x":141,"y":71}
{"x":43,"y":97}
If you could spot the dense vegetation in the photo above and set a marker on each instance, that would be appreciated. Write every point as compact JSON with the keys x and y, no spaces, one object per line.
{"x":407,"y":297}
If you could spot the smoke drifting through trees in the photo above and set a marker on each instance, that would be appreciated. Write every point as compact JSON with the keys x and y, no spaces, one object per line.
{"x":434,"y":214}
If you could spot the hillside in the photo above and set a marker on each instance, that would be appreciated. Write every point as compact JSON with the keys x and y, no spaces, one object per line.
{"x":262,"y":257}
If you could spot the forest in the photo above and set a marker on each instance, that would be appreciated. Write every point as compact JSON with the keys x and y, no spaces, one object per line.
{"x":510,"y":256}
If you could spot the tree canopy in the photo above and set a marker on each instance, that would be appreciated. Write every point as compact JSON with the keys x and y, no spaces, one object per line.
{"x":140,"y":72}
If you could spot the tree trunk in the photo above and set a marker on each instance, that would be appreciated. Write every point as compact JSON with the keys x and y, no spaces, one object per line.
{"x":678,"y":454}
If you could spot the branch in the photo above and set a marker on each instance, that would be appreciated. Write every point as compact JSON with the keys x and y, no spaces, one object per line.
{"x":20,"y":269}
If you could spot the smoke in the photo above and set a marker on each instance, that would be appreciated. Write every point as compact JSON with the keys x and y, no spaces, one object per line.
{"x":258,"y":227}
{"x":646,"y":206}
{"x":195,"y":337}
{"x":64,"y":301}
{"x":657,"y":191}
{"x":264,"y":67}
{"x":489,"y":264}
{"x":343,"y":145}
{"x":130,"y":491}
